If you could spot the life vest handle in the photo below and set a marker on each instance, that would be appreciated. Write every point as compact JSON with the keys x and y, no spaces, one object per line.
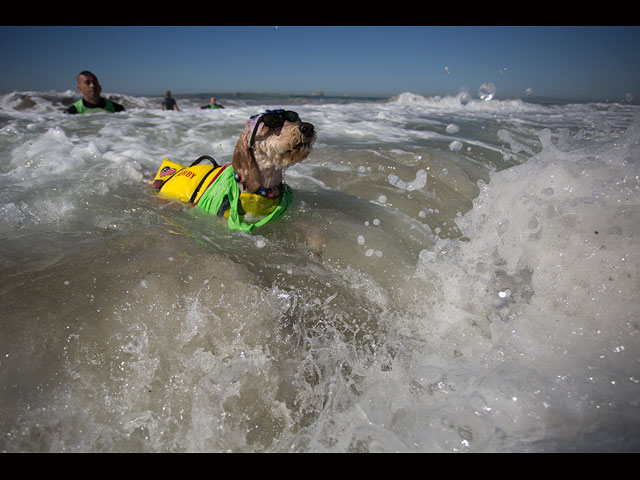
{"x":205,"y":157}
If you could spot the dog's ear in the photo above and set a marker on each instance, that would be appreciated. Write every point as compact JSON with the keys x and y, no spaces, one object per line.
{"x":245,"y":165}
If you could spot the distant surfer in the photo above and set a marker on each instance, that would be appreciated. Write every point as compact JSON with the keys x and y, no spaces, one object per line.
{"x":91,"y":100}
{"x":169,"y":102}
{"x":212,"y":104}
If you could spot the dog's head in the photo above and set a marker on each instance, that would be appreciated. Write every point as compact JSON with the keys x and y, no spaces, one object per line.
{"x":269,"y":143}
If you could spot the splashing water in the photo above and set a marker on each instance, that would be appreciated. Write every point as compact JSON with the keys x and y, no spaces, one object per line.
{"x":475,"y":299}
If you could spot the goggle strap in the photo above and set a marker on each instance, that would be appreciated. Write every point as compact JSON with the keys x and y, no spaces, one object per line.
{"x":253,"y":134}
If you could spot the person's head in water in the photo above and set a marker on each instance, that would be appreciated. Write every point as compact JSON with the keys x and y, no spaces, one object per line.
{"x":89,"y":86}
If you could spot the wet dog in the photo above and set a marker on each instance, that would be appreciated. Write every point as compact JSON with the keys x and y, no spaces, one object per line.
{"x":270,"y":143}
{"x":250,"y":191}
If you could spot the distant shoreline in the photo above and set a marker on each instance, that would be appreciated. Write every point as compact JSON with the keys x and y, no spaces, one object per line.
{"x":67,"y":97}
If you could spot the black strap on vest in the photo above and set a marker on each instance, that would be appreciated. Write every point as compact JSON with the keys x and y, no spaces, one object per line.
{"x":205,"y":157}
{"x":196,"y":162}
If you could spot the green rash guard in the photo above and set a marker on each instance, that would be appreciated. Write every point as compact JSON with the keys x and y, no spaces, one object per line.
{"x":109,"y":106}
{"x":226,"y":186}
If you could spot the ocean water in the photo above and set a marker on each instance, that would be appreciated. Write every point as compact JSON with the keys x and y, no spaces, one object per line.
{"x":474,"y":285}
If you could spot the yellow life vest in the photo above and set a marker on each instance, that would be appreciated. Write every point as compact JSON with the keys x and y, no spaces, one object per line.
{"x":184,"y":183}
{"x":188,"y":183}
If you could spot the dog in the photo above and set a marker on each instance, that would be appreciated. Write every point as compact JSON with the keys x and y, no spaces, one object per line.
{"x":250,"y":191}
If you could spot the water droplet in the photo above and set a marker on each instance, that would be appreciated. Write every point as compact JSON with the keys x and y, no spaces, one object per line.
{"x":487,"y":91}
{"x":455,"y":146}
{"x":465,"y":98}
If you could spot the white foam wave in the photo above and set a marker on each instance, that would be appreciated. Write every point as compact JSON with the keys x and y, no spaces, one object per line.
{"x":461,"y":302}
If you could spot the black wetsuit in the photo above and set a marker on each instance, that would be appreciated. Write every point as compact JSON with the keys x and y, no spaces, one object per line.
{"x":169,"y":103}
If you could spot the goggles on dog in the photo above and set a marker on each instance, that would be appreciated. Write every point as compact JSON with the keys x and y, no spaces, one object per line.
{"x":273,"y":119}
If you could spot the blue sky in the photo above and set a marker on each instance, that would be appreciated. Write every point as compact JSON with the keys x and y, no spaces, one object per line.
{"x":564,"y":62}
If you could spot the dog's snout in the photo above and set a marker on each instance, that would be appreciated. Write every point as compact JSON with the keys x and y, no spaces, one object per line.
{"x":306,"y":129}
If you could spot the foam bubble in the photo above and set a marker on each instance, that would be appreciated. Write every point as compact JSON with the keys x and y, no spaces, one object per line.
{"x":418,"y":182}
{"x":455,"y":146}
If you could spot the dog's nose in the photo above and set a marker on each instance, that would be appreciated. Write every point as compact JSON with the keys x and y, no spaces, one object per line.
{"x":306,"y":129}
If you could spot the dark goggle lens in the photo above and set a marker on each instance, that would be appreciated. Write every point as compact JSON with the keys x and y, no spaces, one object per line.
{"x":273,"y":120}
{"x":291,"y":116}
